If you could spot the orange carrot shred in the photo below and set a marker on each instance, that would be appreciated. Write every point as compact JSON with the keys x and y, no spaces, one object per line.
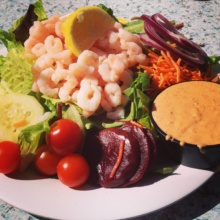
{"x":136,"y":124}
{"x":165,"y":71}
{"x":119,"y":159}
{"x":19,"y":123}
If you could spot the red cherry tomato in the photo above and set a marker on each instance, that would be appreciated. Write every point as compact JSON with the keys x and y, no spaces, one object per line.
{"x":10,"y":157}
{"x":73,"y":170}
{"x":65,"y":137}
{"x":46,"y":161}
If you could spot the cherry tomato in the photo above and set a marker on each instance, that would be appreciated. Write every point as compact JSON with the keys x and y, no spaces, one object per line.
{"x":10,"y":157}
{"x":73,"y":170}
{"x":65,"y":137}
{"x":46,"y":161}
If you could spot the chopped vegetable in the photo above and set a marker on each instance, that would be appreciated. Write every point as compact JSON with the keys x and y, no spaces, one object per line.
{"x":160,"y":32}
{"x":165,"y":71}
{"x":30,"y":138}
{"x":119,"y":159}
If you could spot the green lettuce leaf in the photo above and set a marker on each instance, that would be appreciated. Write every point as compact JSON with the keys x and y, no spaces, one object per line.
{"x":108,"y":10}
{"x":135,"y":26}
{"x":20,"y":28}
{"x":141,"y":102}
{"x":30,"y":138}
{"x":139,"y":105}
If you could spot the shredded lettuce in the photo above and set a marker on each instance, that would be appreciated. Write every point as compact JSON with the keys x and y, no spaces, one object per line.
{"x":16,"y":71}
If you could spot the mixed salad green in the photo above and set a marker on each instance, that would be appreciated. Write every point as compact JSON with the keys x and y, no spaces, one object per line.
{"x":16,"y":77}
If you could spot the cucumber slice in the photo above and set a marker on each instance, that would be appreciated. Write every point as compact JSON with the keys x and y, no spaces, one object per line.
{"x":17,"y":112}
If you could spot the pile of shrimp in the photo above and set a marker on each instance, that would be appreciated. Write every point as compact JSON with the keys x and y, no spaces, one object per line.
{"x":93,"y":80}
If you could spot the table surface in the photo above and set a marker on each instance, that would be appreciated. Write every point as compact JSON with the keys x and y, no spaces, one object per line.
{"x":201,"y":24}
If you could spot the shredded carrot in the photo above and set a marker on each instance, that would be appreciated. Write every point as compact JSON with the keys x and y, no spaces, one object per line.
{"x":19,"y":123}
{"x":119,"y":159}
{"x":136,"y":124}
{"x":165,"y":71}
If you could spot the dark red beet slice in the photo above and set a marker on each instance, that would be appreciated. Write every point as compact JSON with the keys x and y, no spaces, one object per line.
{"x":145,"y":143}
{"x":153,"y":147}
{"x":110,"y":140}
{"x":92,"y":151}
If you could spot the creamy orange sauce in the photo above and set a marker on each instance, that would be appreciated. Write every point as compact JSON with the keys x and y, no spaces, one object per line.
{"x":189,"y":112}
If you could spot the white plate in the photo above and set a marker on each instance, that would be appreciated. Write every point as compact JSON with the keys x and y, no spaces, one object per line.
{"x":49,"y":198}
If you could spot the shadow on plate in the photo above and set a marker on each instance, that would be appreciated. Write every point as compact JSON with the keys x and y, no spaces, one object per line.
{"x":163,"y":161}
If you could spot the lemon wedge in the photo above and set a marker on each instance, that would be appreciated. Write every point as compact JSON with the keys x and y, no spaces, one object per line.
{"x":84,"y":26}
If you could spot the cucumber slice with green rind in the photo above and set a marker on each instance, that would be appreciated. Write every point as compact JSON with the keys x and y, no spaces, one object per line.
{"x":17,"y":112}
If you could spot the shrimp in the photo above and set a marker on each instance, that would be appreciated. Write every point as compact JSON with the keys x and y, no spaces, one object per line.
{"x":127,"y":36}
{"x":74,"y":95}
{"x":89,"y":58}
{"x":39,"y":49}
{"x":105,"y":104}
{"x":58,"y":29}
{"x":50,"y":23}
{"x":29,"y":43}
{"x":35,"y":87}
{"x":89,"y":97}
{"x":66,"y":90}
{"x":118,"y":113}
{"x":39,"y":31}
{"x":111,"y":68}
{"x":59,"y":75}
{"x":113,"y":94}
{"x":126,"y":79}
{"x":113,"y":45}
{"x":45,"y":84}
{"x":65,"y":57}
{"x":86,"y":114}
{"x":89,"y":80}
{"x":43,"y":62}
{"x":80,"y":70}
{"x":53,"y":44}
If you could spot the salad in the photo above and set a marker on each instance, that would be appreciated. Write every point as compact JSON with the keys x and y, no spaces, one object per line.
{"x":85,"y":101}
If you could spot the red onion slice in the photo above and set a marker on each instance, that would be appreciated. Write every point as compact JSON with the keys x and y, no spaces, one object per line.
{"x":159,"y":30}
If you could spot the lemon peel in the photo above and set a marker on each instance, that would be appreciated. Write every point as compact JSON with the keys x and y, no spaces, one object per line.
{"x":84,"y":26}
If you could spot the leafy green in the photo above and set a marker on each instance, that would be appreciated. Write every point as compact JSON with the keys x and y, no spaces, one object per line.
{"x":135,"y":26}
{"x":14,"y":69}
{"x":108,"y":10}
{"x":20,"y":28}
{"x":213,"y":59}
{"x":30,"y":138}
{"x":141,"y":102}
{"x":138,"y":107}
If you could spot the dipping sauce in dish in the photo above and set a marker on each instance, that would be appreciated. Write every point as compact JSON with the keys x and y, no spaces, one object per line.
{"x":189,"y":112}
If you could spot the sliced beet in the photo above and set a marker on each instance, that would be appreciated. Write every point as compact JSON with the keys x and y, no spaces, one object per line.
{"x":153,"y":147}
{"x":110,"y":141}
{"x":92,"y":151}
{"x":146,"y":153}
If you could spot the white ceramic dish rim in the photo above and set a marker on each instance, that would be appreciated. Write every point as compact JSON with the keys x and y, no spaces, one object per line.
{"x":51,"y":199}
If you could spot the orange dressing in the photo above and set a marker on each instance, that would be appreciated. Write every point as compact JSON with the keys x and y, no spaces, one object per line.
{"x":190,"y":112}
